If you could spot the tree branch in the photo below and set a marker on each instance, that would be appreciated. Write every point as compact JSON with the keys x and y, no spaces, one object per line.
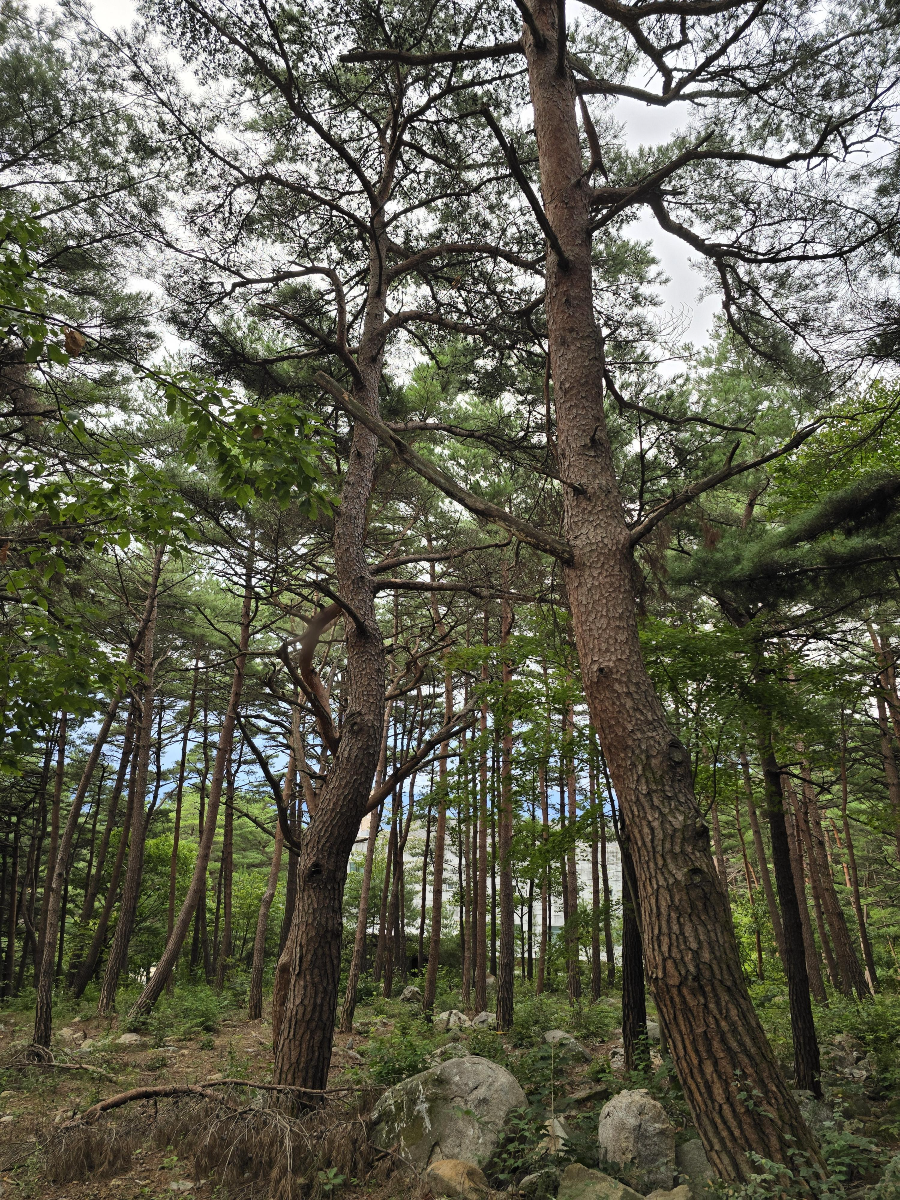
{"x":548,"y":543}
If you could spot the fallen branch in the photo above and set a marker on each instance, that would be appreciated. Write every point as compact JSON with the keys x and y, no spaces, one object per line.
{"x":166,"y":1090}
{"x":41,"y":1056}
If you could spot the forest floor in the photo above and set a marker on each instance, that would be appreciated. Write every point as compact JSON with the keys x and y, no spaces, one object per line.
{"x":196,"y":1038}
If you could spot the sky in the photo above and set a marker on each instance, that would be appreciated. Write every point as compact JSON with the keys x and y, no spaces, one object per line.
{"x":644,"y":125}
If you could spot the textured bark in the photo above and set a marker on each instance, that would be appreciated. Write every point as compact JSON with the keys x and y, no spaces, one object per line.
{"x":197,"y":886}
{"x":545,"y":901}
{"x":224,"y":949}
{"x":692,"y":958}
{"x":255,"y":1002}
{"x":810,"y":950}
{"x":117,"y":959}
{"x":507,"y":957}
{"x":801,"y":851}
{"x":634,"y":997}
{"x":311,"y":961}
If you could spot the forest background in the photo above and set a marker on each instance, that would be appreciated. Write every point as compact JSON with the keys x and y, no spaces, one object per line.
{"x":376,"y":548}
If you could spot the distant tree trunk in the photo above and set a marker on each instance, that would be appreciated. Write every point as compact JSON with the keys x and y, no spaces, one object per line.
{"x":381,"y":947}
{"x":225,"y":950}
{"x":635,"y":1038}
{"x":117,"y":959}
{"x":359,"y":945}
{"x":422,"y":902}
{"x":199,"y":925}
{"x":806,"y":1048}
{"x":811,"y":952}
{"x":465,"y":879}
{"x":12,"y":916}
{"x":179,"y":795}
{"x":762,"y":861}
{"x":196,"y":889}
{"x":437,"y":881}
{"x":480,"y":932}
{"x":112,"y":814}
{"x":43,"y":1021}
{"x":748,"y":876}
{"x":255,"y":1004}
{"x":864,"y":942}
{"x":493,"y":815}
{"x":721,"y":866}
{"x":53,"y":848}
{"x":596,"y":903}
{"x":798,"y":831}
{"x":506,"y":972}
{"x":545,"y":913}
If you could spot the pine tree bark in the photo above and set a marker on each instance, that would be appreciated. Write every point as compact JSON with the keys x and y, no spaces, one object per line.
{"x":224,"y":947}
{"x":798,"y":832}
{"x":762,"y":861}
{"x":197,"y":887}
{"x":480,"y":932}
{"x":117,"y":959}
{"x":545,"y":874}
{"x":573,"y":940}
{"x":53,"y":847}
{"x":865,"y":944}
{"x":691,"y":953}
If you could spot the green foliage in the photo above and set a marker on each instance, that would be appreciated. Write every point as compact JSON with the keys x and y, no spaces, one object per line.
{"x":403,"y":1053}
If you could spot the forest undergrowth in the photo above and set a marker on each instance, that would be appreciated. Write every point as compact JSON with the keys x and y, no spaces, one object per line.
{"x":245,"y":1143}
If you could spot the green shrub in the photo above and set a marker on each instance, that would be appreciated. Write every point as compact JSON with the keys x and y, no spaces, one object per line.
{"x":397,"y":1057}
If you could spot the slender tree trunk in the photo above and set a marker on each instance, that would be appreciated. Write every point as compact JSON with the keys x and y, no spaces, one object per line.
{"x":381,"y":947}
{"x":359,"y":945}
{"x":596,"y":966}
{"x":43,"y":1021}
{"x":751,"y":892}
{"x":574,"y":971}
{"x":112,"y":814}
{"x":117,"y":959}
{"x":179,"y":795}
{"x":689,"y":944}
{"x":811,"y":952}
{"x":494,"y":794}
{"x":545,"y":879}
{"x":480,"y":933}
{"x":866,"y":945}
{"x":422,"y":905}
{"x":255,"y":1004}
{"x":196,"y":888}
{"x":635,"y":1038}
{"x":506,"y":972}
{"x":762,"y":861}
{"x":53,"y":848}
{"x":225,"y":948}
{"x":717,"y":842}
{"x":437,"y":881}
{"x":806,"y":1048}
{"x":798,"y":831}
{"x":12,"y":916}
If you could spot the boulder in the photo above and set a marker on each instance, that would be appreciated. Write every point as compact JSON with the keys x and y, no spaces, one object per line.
{"x":653,"y":1031}
{"x":454,"y":1110}
{"x":87,"y":1046}
{"x":682,"y":1192}
{"x":485,"y":1020}
{"x":71,"y":1037}
{"x":454,"y":1019}
{"x":565,"y":1041}
{"x":411,"y":995}
{"x":443,"y":1053}
{"x":542,"y":1185}
{"x":694,"y":1166}
{"x":579,"y":1183}
{"x":457,"y":1179}
{"x":635,"y":1132}
{"x":130,"y":1039}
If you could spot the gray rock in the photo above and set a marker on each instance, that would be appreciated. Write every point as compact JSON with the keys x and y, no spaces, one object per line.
{"x":816,"y":1113}
{"x":130,"y":1039}
{"x":71,"y":1037}
{"x":694,"y":1166}
{"x":454,"y":1110}
{"x":682,"y":1192}
{"x":485,"y":1020}
{"x":87,"y":1046}
{"x":453,"y":1019}
{"x":579,"y":1183}
{"x":451,"y":1050}
{"x":635,"y":1132}
{"x":542,"y":1185}
{"x":411,"y":995}
{"x":653,"y":1031}
{"x":565,"y":1041}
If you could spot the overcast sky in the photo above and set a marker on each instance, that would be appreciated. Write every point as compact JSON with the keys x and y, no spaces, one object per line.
{"x":644,"y":125}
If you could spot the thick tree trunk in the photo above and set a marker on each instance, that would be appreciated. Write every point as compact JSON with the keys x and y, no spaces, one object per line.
{"x":311,"y":961}
{"x":197,"y":887}
{"x":255,"y":1003}
{"x":117,"y":959}
{"x":689,"y":944}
